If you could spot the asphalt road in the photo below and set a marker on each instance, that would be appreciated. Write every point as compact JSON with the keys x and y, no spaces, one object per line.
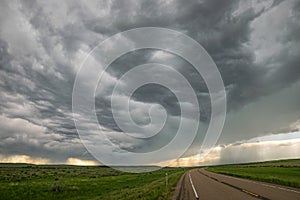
{"x":204,"y":185}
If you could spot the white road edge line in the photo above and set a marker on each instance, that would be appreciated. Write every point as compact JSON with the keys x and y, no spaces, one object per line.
{"x":272,"y":186}
{"x":196,"y":195}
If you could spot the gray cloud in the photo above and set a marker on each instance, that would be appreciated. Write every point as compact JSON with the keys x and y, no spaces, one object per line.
{"x":42,"y":45}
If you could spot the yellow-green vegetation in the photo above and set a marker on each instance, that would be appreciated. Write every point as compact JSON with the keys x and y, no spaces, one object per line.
{"x":284,"y":172}
{"x":22,"y":181}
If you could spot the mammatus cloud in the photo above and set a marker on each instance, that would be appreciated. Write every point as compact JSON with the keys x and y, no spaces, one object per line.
{"x":43,"y":43}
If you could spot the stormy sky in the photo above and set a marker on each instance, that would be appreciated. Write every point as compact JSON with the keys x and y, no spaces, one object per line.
{"x":255,"y":45}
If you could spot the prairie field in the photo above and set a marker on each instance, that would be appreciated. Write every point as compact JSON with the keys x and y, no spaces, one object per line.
{"x":23,"y":181}
{"x":283,"y":172}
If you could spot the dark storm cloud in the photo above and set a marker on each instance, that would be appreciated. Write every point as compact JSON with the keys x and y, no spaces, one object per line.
{"x":225,"y":38}
{"x":42,"y":44}
{"x":153,"y":93}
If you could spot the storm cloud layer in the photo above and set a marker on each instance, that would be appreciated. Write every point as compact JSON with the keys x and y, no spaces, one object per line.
{"x":255,"y":45}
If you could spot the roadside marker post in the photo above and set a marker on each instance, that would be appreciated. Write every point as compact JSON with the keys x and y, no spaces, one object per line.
{"x":167,"y":185}
{"x":167,"y":180}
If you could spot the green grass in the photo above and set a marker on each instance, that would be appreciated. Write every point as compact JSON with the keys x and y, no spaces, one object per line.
{"x":73,"y":182}
{"x":283,"y":172}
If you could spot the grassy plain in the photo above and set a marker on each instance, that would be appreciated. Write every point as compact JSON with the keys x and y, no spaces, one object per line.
{"x":23,"y":181}
{"x":283,"y":172}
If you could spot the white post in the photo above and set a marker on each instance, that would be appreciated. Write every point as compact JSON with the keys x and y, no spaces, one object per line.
{"x":167,"y":180}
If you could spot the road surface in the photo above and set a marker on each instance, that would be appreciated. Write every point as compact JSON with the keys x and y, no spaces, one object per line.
{"x":204,"y":185}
